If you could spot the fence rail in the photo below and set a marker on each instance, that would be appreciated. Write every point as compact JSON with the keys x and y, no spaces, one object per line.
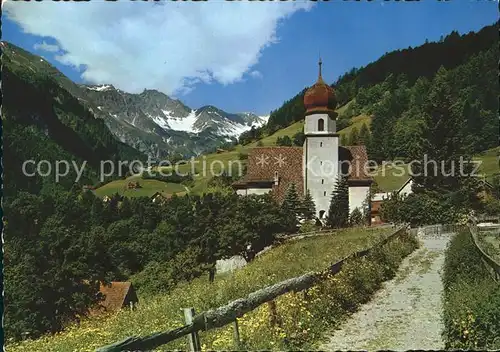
{"x":227,"y":314}
{"x":491,"y":265}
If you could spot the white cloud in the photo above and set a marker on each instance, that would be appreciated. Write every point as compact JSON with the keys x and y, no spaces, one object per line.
{"x":137,"y":45}
{"x":255,"y":74}
{"x":51,"y":48}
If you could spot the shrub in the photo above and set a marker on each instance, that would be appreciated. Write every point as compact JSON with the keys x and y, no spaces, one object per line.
{"x":471,"y":298}
{"x":356,"y":218}
{"x":308,"y":226}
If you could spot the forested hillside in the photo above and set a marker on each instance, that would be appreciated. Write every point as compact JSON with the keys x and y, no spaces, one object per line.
{"x":46,"y":122}
{"x":392,"y":87}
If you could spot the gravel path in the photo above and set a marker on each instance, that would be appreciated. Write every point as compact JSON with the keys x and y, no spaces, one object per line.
{"x":406,"y":313}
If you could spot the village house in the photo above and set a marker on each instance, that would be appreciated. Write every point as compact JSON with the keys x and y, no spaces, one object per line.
{"x":117,"y":295}
{"x":316,"y":165}
{"x":378,"y":199}
{"x":159,"y":197}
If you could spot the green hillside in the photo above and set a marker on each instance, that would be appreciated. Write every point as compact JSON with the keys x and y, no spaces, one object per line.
{"x":162,"y":311}
{"x":47,"y":122}
{"x":228,"y":158}
{"x":395,"y":176}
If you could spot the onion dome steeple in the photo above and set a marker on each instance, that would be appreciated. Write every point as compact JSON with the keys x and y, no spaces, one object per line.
{"x":320,"y":98}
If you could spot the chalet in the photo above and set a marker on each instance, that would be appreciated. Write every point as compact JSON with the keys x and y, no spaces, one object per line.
{"x":378,"y":199}
{"x":159,"y":197}
{"x":117,"y":295}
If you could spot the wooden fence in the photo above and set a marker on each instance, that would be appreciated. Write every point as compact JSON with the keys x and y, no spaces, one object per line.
{"x":491,"y":265}
{"x":228,"y":314}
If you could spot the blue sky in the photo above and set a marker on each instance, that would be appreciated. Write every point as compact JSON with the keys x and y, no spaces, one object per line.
{"x":248,"y":59}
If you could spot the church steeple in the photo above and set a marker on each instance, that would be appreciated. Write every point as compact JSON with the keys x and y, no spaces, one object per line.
{"x":320,"y":78}
{"x":320,"y":97}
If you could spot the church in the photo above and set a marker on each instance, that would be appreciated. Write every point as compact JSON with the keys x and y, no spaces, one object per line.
{"x":316,"y":165}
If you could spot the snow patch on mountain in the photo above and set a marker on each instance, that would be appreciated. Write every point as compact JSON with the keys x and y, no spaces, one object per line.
{"x":264,"y":120}
{"x":180,"y":123}
{"x":160,"y":121}
{"x":99,"y":88}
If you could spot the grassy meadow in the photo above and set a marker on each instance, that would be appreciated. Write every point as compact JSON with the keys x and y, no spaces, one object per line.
{"x":216,"y":160}
{"x":389,"y":178}
{"x":148,"y":188}
{"x":163,"y":312}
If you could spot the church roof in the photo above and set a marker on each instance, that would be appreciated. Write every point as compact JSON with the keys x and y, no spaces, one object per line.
{"x":320,"y":97}
{"x":264,"y":162}
{"x":358,"y":158}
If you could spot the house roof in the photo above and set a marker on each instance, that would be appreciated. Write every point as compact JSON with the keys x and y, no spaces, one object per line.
{"x":264,"y":162}
{"x":358,"y":158}
{"x":287,"y":162}
{"x":115,"y":294}
{"x":404,"y":184}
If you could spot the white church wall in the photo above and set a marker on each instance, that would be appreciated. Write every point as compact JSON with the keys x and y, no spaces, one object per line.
{"x":311,"y":124}
{"x":357,"y":196}
{"x":321,"y":169}
{"x":258,"y":191}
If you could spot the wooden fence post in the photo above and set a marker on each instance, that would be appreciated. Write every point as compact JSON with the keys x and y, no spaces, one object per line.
{"x":236,"y":335}
{"x":193,"y":338}
{"x":273,"y":314}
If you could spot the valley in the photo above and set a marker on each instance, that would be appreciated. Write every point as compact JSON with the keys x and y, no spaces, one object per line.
{"x":323,"y":266}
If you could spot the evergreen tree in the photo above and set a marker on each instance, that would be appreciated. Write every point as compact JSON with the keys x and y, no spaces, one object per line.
{"x":291,"y":207}
{"x":338,"y":213}
{"x":364,"y":135}
{"x":356,"y":218}
{"x":367,"y":216}
{"x":308,"y":207}
{"x":354,"y":136}
{"x":284,"y":141}
{"x":299,"y":138}
{"x":292,"y":201}
{"x":343,"y":140}
{"x":443,"y":139}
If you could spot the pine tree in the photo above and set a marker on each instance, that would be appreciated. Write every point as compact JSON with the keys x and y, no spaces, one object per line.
{"x":354,"y":136}
{"x":291,"y":208}
{"x":343,"y":140}
{"x":292,"y":202}
{"x":443,"y":140}
{"x":308,"y":207}
{"x":367,"y":216}
{"x":364,"y":135}
{"x":356,"y":218}
{"x":338,"y":213}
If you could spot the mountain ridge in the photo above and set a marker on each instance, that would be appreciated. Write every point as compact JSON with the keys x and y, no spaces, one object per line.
{"x":150,"y":121}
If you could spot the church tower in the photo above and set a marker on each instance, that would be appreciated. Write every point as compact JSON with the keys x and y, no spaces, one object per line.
{"x":321,"y":145}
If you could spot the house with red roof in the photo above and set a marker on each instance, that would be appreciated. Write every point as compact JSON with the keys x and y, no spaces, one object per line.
{"x":317,"y":165}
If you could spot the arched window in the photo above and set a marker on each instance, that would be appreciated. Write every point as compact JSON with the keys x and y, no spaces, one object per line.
{"x":322,"y":181}
{"x":320,"y":144}
{"x":321,"y":125}
{"x":324,"y":193}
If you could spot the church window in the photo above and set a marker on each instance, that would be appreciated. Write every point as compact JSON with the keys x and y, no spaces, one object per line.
{"x":324,"y":193}
{"x":322,"y":181}
{"x":321,"y":125}
{"x":321,"y":163}
{"x":320,"y":144}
